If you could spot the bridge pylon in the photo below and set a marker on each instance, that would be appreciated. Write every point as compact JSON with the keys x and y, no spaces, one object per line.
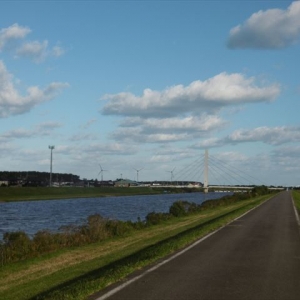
{"x":205,"y":186}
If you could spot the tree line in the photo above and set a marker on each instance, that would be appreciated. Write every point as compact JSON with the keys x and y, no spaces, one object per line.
{"x":21,"y":177}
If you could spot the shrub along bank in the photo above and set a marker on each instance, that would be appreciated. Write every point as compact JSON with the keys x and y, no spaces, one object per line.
{"x":18,"y":245}
{"x":76,"y":272}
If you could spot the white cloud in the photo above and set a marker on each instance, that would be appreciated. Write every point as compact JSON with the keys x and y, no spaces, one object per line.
{"x":268,"y":135}
{"x":37,"y":51}
{"x":180,"y":113}
{"x":39,"y":130}
{"x":273,"y":136}
{"x":17,"y":134}
{"x":273,"y":28}
{"x":190,"y":123}
{"x":287,"y":159}
{"x":291,"y":152}
{"x":210,"y":95}
{"x":57,"y":51}
{"x":110,"y":149}
{"x":14,"y":32}
{"x":209,"y":143}
{"x":49,"y":125}
{"x":136,"y":135}
{"x":12,"y":103}
{"x":167,"y":130}
{"x":167,"y":153}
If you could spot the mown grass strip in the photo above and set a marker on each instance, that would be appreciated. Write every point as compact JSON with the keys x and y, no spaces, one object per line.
{"x":8,"y":194}
{"x":296,"y":197}
{"x":81,"y":279}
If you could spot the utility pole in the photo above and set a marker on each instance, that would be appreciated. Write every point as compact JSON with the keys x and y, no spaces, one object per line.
{"x":206,"y":172}
{"x":51,"y":149}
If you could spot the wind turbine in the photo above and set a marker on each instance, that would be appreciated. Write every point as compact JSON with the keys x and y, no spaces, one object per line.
{"x":171,"y":174}
{"x":137,"y":173}
{"x":101,"y":172}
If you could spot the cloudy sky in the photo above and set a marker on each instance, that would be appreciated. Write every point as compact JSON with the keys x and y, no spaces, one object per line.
{"x":150,"y":85}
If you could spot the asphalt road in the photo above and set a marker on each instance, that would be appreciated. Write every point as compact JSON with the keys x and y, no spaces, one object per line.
{"x":257,"y":257}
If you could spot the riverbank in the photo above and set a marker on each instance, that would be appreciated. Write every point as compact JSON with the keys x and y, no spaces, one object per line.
{"x":9,"y":194}
{"x":79,"y":272}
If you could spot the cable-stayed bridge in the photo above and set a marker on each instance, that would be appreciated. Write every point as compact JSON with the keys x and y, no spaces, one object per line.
{"x":215,"y":174}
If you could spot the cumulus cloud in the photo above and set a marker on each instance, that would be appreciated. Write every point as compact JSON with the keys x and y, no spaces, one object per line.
{"x":37,"y":51}
{"x":167,"y":153}
{"x":287,"y":158}
{"x":137,"y":135}
{"x":190,"y":123}
{"x":12,"y":103}
{"x":268,"y":135}
{"x":180,"y":113}
{"x":209,"y":143}
{"x":17,"y":134}
{"x":290,"y":152}
{"x":154,"y":130}
{"x":49,"y":125}
{"x":14,"y":32}
{"x":270,"y":29}
{"x":39,"y":130}
{"x":111,"y":149}
{"x":210,"y":95}
{"x":272,"y":136}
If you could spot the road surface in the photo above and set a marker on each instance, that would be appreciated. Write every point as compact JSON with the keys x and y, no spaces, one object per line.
{"x":256,"y":257}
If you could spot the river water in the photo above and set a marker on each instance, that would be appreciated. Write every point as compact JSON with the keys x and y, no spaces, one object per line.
{"x":32,"y":216}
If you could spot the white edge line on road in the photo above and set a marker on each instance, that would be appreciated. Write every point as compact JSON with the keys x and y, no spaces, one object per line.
{"x":123,"y":285}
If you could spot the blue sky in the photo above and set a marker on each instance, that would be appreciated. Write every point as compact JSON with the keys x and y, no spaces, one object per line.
{"x":151,"y":84}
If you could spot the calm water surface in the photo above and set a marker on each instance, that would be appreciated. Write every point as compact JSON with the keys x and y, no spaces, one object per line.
{"x":32,"y":216}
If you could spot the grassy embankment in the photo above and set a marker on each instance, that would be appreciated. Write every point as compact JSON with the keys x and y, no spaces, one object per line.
{"x":43,"y":193}
{"x":296,"y":197}
{"x":79,"y":272}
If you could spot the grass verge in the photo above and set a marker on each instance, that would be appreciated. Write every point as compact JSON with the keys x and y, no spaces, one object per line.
{"x":79,"y":272}
{"x":43,"y":193}
{"x":8,"y":194}
{"x":296,"y":197}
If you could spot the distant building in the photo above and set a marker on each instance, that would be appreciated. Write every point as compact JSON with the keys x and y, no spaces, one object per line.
{"x":4,"y":182}
{"x":125,"y":183}
{"x":108,"y":183}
